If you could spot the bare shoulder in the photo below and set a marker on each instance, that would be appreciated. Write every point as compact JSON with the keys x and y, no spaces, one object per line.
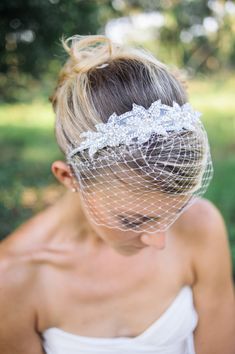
{"x":19,"y":270}
{"x":16,"y":273}
{"x":209,"y":238}
{"x":203,"y":231}
{"x":202,"y":223}
{"x":18,"y":332}
{"x":22,"y":254}
{"x":207,"y":233}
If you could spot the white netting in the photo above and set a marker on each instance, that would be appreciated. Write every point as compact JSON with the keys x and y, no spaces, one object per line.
{"x":142,"y":179}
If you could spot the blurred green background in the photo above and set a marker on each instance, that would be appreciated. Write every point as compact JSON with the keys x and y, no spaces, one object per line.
{"x":198,"y":37}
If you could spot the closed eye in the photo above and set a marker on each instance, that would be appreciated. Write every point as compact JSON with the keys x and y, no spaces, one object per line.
{"x":138,"y":219}
{"x":141,"y":219}
{"x":130,"y":224}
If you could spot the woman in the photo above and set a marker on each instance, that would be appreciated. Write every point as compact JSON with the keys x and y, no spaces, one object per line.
{"x":131,"y":259}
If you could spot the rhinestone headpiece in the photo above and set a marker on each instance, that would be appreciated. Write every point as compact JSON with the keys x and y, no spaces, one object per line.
{"x":137,"y":125}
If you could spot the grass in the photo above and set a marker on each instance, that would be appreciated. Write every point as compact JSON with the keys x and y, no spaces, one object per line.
{"x":28,"y":148}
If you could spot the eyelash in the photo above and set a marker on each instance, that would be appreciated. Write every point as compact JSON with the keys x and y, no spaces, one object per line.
{"x":132,"y":225}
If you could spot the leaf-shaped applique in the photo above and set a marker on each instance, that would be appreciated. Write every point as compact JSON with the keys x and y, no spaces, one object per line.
{"x":138,"y":125}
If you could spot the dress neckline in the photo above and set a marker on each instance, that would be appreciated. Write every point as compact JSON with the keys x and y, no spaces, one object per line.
{"x":166,"y":314}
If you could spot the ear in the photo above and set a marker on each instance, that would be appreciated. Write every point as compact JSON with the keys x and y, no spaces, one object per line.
{"x":63,"y":174}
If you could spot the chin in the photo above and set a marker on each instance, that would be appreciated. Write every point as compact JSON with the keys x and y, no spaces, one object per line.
{"x":129,"y":250}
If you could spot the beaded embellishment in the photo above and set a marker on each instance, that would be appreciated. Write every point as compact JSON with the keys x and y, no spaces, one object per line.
{"x":137,"y":125}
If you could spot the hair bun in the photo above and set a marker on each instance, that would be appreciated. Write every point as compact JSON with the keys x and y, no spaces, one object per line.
{"x":88,"y":51}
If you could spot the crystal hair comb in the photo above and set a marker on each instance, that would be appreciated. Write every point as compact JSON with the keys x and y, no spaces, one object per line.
{"x":137,"y":125}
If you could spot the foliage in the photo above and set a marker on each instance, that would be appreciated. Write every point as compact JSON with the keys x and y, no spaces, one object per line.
{"x":30,"y":50}
{"x":30,"y":37}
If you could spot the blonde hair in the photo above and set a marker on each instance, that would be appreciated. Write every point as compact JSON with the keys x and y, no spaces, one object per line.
{"x":101,"y":77}
{"x":86,"y":95}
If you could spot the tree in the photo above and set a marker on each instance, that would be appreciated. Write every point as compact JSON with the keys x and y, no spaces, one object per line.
{"x":31,"y":31}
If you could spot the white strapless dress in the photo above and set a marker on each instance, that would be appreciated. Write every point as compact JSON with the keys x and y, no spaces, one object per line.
{"x":172,"y":333}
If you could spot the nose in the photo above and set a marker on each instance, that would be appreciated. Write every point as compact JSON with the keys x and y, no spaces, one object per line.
{"x":157,"y":240}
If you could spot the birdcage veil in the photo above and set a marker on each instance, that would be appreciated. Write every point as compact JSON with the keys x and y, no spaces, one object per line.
{"x":140,"y":170}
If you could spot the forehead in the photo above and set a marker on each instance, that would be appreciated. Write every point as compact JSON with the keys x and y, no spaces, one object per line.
{"x":125,"y":196}
{"x":127,"y":193}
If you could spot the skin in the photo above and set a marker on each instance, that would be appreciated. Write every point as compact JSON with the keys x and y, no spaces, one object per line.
{"x":53,"y":276}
